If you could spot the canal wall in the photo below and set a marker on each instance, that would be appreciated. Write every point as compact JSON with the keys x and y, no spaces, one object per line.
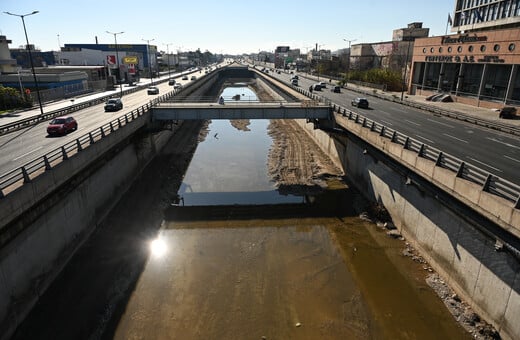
{"x":453,"y":238}
{"x":59,"y":215}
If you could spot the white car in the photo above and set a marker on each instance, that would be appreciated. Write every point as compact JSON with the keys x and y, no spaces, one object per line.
{"x":177,"y":86}
{"x":153,"y":90}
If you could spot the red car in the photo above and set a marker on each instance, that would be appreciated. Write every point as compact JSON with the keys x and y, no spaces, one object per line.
{"x":62,"y":125}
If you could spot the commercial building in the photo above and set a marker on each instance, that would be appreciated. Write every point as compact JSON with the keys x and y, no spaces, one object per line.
{"x":478,"y":65}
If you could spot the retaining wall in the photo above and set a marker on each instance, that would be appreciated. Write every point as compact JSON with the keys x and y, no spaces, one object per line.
{"x":60,"y":214}
{"x":448,"y":234}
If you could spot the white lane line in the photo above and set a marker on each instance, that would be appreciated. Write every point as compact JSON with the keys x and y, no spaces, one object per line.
{"x":386,"y":113}
{"x":447,"y":125}
{"x":513,"y":159}
{"x":386,"y":122}
{"x":27,"y":153}
{"x":426,"y":139}
{"x":506,"y":144}
{"x":461,"y":140}
{"x":489,"y":166}
{"x":414,"y":123}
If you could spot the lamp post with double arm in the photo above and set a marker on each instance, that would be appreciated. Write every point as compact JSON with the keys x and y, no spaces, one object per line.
{"x":149,"y":59}
{"x":348,"y":58}
{"x":30,"y":55}
{"x":117,"y":62}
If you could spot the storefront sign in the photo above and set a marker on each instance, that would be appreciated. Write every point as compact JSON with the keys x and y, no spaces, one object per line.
{"x":463,"y":59}
{"x":461,"y":39}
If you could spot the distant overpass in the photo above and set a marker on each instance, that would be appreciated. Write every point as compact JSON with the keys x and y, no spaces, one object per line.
{"x":242,"y":110}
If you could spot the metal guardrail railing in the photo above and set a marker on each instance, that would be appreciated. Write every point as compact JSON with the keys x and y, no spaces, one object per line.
{"x":28,"y":171}
{"x":488,"y":182}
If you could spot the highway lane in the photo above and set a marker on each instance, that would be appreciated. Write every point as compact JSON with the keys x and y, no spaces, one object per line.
{"x":490,"y":150}
{"x":20,"y":147}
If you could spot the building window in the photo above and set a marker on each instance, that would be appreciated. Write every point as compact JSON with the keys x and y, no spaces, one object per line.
{"x":424,"y":50}
{"x":440,"y":49}
{"x":496,"y":48}
{"x":449,"y":49}
{"x":482,"y":48}
{"x":459,"y":49}
{"x":432,"y":50}
{"x":470,"y":48}
{"x":511,"y":47}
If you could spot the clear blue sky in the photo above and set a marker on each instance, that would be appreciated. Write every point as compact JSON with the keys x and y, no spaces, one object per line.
{"x":225,"y":26}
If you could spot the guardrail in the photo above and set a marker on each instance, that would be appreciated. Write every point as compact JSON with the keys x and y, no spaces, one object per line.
{"x":489,"y":183}
{"x":33,"y":168}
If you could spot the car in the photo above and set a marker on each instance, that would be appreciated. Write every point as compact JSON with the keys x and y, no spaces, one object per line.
{"x":294,"y":82}
{"x":153,"y":90}
{"x":62,"y":125}
{"x":316,"y":87}
{"x":323,"y":85}
{"x":193,"y":77}
{"x":507,"y":112}
{"x":113,"y":104}
{"x":177,"y":86}
{"x":336,"y":89}
{"x":184,"y":77}
{"x":171,"y":82}
{"x":360,"y":102}
{"x":295,"y":77}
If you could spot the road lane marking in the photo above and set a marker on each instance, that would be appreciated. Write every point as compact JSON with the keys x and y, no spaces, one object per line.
{"x":386,"y":122}
{"x":426,"y":139}
{"x":414,"y":123}
{"x":489,"y":166}
{"x":461,"y":140}
{"x":513,"y":159}
{"x":506,"y":144}
{"x":447,"y":125}
{"x":27,"y":153}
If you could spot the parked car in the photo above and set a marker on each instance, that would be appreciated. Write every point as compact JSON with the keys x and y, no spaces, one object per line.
{"x":153,"y":90}
{"x":336,"y":89}
{"x":62,"y":125}
{"x":507,"y":112}
{"x":177,"y":86}
{"x":171,"y":82}
{"x":360,"y":102}
{"x":184,"y":77}
{"x":113,"y":104}
{"x":193,"y":77}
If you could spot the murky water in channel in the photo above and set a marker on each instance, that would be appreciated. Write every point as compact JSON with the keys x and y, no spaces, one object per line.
{"x":261,"y":275}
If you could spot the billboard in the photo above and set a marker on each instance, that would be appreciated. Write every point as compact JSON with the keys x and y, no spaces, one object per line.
{"x":130,"y":60}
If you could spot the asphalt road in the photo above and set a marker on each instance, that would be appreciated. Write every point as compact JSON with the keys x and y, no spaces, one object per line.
{"x":20,"y":147}
{"x":495,"y":152}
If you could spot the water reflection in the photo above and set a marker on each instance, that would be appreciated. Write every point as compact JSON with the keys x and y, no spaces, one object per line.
{"x":230,"y":167}
{"x":158,"y":247}
{"x":239,"y":93}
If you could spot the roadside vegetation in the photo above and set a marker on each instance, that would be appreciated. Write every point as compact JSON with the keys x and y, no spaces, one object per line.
{"x":11,"y":99}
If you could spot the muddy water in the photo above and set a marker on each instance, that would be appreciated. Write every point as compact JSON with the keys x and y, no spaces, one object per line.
{"x":262,"y":273}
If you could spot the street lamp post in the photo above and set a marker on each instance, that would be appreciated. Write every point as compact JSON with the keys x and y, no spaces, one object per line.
{"x":168,"y":52}
{"x":117,"y":61}
{"x":348,"y":58}
{"x":149,"y":59}
{"x":30,"y":55}
{"x":406,"y":66}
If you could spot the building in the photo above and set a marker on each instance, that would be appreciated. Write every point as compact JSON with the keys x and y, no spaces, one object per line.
{"x":394,"y":54}
{"x":479,"y":64}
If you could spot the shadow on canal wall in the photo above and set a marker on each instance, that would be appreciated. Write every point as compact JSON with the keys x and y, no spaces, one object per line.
{"x":464,"y":247}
